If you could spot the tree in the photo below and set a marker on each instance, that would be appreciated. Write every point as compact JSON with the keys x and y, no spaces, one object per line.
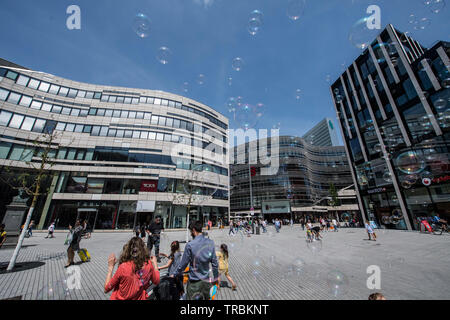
{"x":31,"y":180}
{"x":334,"y":196}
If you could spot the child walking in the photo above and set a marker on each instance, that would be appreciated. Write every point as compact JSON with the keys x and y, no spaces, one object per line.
{"x":222,"y":257}
{"x":371,"y":232}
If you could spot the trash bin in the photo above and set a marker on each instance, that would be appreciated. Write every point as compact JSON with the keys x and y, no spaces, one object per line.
{"x":258,"y":230}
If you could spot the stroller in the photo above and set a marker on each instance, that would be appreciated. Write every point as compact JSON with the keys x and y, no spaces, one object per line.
{"x":168,"y":289}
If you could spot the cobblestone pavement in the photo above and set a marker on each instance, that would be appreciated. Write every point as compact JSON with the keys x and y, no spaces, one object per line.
{"x":267,"y":266}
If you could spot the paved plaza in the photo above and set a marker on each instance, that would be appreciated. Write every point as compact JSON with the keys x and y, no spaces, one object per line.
{"x":267,"y":266}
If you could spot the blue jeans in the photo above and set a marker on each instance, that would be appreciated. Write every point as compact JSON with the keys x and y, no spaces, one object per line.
{"x":277,"y":228}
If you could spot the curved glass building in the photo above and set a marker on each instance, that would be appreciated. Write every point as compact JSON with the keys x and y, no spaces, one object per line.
{"x":117,"y":156}
{"x":300,"y":186}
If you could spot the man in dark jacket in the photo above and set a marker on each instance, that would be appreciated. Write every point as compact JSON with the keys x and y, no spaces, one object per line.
{"x":154,"y":236}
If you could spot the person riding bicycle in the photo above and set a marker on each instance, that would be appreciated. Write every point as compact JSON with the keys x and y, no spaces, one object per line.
{"x":441,"y":222}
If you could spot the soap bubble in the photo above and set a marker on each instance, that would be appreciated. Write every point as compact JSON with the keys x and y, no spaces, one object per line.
{"x":440,"y":104}
{"x":410,"y":162}
{"x":201,"y":79}
{"x":434,"y":6}
{"x":237,"y":64}
{"x":54,"y":291}
{"x":337,"y":283}
{"x":298,"y":93}
{"x":185,"y":86}
{"x":141,"y":25}
{"x":295,"y":9}
{"x":198,"y":296}
{"x":387,"y":176}
{"x":163,"y":55}
{"x":314,"y":246}
{"x":360,"y":35}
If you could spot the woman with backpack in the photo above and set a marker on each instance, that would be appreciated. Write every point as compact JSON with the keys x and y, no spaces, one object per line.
{"x":135,"y":273}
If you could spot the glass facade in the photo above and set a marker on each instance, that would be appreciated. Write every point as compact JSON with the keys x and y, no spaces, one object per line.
{"x":398,"y":137}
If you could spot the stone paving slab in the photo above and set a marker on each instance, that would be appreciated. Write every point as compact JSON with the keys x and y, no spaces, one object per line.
{"x":413,"y":265}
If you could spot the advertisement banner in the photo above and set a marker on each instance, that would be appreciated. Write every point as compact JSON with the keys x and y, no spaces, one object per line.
{"x":149,"y":186}
{"x":276,"y":207}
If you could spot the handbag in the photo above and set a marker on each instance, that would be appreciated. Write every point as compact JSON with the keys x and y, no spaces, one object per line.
{"x":68,"y":239}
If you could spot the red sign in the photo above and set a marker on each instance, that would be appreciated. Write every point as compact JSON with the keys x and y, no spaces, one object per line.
{"x":149,"y":186}
{"x":441,"y":179}
{"x":253,"y":171}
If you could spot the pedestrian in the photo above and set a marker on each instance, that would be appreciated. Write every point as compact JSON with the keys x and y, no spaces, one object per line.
{"x":137,"y":230}
{"x":376,"y":296}
{"x":309,"y":235}
{"x":135,"y":273}
{"x":51,"y":229}
{"x":30,"y":228}
{"x":231,"y":228}
{"x":277,"y":225}
{"x":371,"y":232}
{"x":143,"y":228}
{"x":176,"y":288}
{"x":222,"y":257}
{"x":316,"y":232}
{"x":199,"y":253}
{"x":209,"y":225}
{"x":2,"y":234}
{"x":86,"y":231}
{"x":335,"y":225}
{"x":154,"y":236}
{"x":264,"y":226}
{"x":74,"y":242}
{"x":302,"y":222}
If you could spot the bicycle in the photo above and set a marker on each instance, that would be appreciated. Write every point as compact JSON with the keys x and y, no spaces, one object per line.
{"x":438,"y":229}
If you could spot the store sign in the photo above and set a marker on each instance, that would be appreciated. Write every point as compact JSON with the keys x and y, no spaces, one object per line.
{"x":426,"y":181}
{"x":441,"y":179}
{"x":377,"y":190}
{"x":145,"y":206}
{"x":149,"y":186}
{"x":276,"y":207}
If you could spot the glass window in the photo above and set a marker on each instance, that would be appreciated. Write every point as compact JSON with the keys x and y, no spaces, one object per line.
{"x":108,"y":113}
{"x":39,"y":125}
{"x":71,"y":154}
{"x":12,"y":75}
{"x":3,"y":94}
{"x":16,"y":153}
{"x":127,"y":100}
{"x":144,"y":134}
{"x":75,"y":112}
{"x":136,"y":134}
{"x":44,"y":86}
{"x":104,"y":131}
{"x":87,"y":129}
{"x":120,"y":99}
{"x":171,"y":104}
{"x":124,"y":114}
{"x":147,"y":115}
{"x":104,"y":98}
{"x":89,"y":155}
{"x":175,"y":138}
{"x":79,"y":128}
{"x":63,"y":91}
{"x":116,"y":113}
{"x":81,"y":94}
{"x":61,"y":153}
{"x":162,"y":121}
{"x":83,"y":113}
{"x":26,"y":101}
{"x":72,"y":93}
{"x":142,"y":100}
{"x":89,"y":95}
{"x":101,"y":112}
{"x":36,"y":105}
{"x":112,"y":99}
{"x":95,"y":185}
{"x":95,"y":130}
{"x":183,"y":124}
{"x":150,"y":100}
{"x":61,"y":126}
{"x":135,"y":101}
{"x":176,"y":123}
{"x":97,"y":95}
{"x":4,"y":149}
{"x":151,"y":135}
{"x":53,"y":89}
{"x":92,"y":111}
{"x":128,"y":133}
{"x":65,"y":110}
{"x":28,"y":123}
{"x":154,"y":119}
{"x":157,"y":101}
{"x":46,"y":107}
{"x":16,"y":121}
{"x":132,"y":114}
{"x":14,"y":98}
{"x":56,"y":109}
{"x":160,"y":136}
{"x":167,"y":137}
{"x":139,"y":115}
{"x":80,"y":154}
{"x":120,"y":133}
{"x":23,"y":80}
{"x":112,"y":132}
{"x":5,"y":116}
{"x":70,"y":127}
{"x":169,"y":122}
{"x":33,"y":84}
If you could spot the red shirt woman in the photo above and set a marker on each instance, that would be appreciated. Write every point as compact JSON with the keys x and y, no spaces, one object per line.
{"x":135,"y":273}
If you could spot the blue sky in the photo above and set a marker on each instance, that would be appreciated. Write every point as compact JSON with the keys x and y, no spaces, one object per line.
{"x":204,"y":36}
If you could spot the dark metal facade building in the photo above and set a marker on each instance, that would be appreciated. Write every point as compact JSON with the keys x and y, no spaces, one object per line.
{"x":393,"y":109}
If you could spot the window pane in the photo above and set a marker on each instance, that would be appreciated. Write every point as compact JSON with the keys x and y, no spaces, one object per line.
{"x":89,"y":95}
{"x":147,"y":116}
{"x":33,"y":84}
{"x":116,"y":114}
{"x":169,"y":122}
{"x":112,"y":132}
{"x":128,"y":133}
{"x":83,"y":113}
{"x":28,"y":123}
{"x":39,"y":125}
{"x":16,"y":121}
{"x":150,"y":100}
{"x":97,"y":95}
{"x":135,"y":101}
{"x":81,"y":94}
{"x":65,"y":110}
{"x":46,"y":107}
{"x":5,"y":116}
{"x":104,"y":131}
{"x":101,"y":112}
{"x":16,"y":152}
{"x":44,"y":86}
{"x":61,"y":126}
{"x":108,"y":113}
{"x":13,"y":98}
{"x":80,"y":154}
{"x":104,"y":98}
{"x":154,"y":119}
{"x":26,"y":101}
{"x":63,"y":91}
{"x":136,"y":134}
{"x":120,"y":99}
{"x":95,"y":131}
{"x":142,"y":100}
{"x":75,"y":112}
{"x":124,"y":114}
{"x":56,"y":109}
{"x":160,"y":136}
{"x":139,"y":115}
{"x":144,"y":135}
{"x":72,"y":93}
{"x":162,"y":121}
{"x":12,"y":75}
{"x":23,"y":80}
{"x":176,"y":123}
{"x":157,"y":101}
{"x":132,"y":114}
{"x":71,"y":154}
{"x":4,"y":149}
{"x":127,"y":100}
{"x":151,"y":135}
{"x":120,"y":133}
{"x":53,"y":89}
{"x":87,"y":129}
{"x":164,"y":102}
{"x":62,"y":153}
{"x":3,"y":94}
{"x":112,"y":99}
{"x":36,"y":105}
{"x":70,"y":127}
{"x":79,"y":128}
{"x":167,"y":137}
